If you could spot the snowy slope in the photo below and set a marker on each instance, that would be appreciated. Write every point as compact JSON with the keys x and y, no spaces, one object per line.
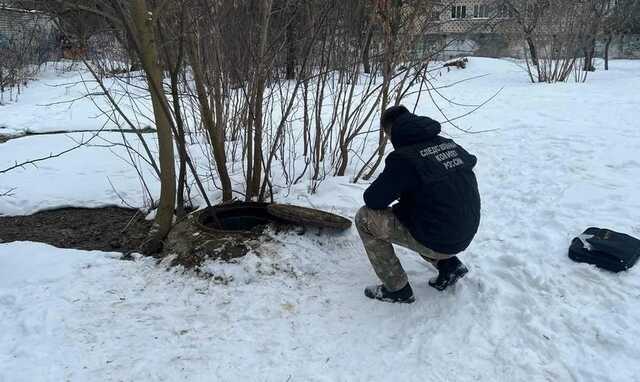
{"x":91,"y":176}
{"x":565,"y":158}
{"x":66,"y":98}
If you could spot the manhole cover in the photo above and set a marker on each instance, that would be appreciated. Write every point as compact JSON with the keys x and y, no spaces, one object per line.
{"x":309,"y":216}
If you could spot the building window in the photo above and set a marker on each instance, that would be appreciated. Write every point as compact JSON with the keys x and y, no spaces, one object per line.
{"x":458,"y":11}
{"x":480,"y":11}
{"x":531,"y":10}
{"x":504,"y":12}
{"x":433,"y":15}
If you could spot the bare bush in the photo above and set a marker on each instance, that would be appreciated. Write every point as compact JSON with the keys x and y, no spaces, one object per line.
{"x":560,"y":36}
{"x":272,"y":92}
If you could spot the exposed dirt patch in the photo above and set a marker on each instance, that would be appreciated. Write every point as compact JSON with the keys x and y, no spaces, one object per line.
{"x":110,"y":229}
{"x":193,"y":240}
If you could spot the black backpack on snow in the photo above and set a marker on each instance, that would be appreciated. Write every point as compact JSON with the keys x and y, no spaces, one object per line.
{"x":605,"y":249}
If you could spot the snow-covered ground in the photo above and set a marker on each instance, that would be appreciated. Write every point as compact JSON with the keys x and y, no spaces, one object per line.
{"x":91,"y":176}
{"x":564,"y":157}
{"x":66,"y":98}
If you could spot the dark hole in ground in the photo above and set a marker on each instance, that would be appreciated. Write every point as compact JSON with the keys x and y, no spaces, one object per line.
{"x":247,"y":216}
{"x":105,"y":229}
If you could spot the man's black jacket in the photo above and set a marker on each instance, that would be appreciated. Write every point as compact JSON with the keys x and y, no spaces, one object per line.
{"x":434,"y":181}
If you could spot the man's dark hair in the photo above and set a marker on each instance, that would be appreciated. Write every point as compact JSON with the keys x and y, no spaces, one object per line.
{"x":390,"y":115}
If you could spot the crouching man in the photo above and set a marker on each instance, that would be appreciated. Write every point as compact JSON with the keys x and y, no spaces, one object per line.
{"x":438,"y":209}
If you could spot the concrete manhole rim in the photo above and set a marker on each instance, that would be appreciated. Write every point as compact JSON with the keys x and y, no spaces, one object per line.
{"x":309,"y":216}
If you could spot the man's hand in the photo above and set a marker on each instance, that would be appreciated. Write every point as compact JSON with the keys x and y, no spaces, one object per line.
{"x":396,"y":178}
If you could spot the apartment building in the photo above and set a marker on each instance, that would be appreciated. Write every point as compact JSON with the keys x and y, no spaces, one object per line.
{"x":474,"y":16}
{"x":473,"y":27}
{"x":489,"y":28}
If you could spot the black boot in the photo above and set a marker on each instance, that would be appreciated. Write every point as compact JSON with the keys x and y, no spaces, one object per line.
{"x":449,"y":272}
{"x":380,"y":292}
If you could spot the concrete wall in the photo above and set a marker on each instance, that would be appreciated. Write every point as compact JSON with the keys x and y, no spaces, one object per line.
{"x":31,"y":33}
{"x":14,"y":22}
{"x":477,"y":44}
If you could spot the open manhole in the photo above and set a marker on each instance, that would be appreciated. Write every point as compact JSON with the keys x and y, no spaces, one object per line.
{"x":251,"y":217}
{"x":236,"y":217}
{"x":229,"y":231}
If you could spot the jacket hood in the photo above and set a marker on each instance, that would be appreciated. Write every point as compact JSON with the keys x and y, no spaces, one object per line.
{"x":410,"y":129}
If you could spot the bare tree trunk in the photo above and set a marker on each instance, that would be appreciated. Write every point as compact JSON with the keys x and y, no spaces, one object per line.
{"x":291,"y":53}
{"x":174,"y":57}
{"x":365,"y":51}
{"x":248,"y":147}
{"x":216,"y":133}
{"x":253,"y":184}
{"x":219,"y":142}
{"x":390,"y":36}
{"x":606,"y":51}
{"x":317,"y":143}
{"x":143,"y":22}
{"x":305,"y":119}
{"x":180,"y":138}
{"x":589,"y":53}
{"x":532,"y":50}
{"x":254,"y":188}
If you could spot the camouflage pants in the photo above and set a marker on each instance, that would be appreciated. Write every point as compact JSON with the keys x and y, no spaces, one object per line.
{"x":379,"y":230}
